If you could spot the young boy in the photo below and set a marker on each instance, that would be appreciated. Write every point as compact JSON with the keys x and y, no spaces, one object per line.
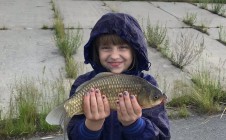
{"x":117,"y":45}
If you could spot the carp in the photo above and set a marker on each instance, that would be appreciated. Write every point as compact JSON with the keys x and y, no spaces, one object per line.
{"x":110,"y":85}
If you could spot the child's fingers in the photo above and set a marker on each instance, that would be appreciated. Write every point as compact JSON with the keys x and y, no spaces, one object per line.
{"x":122,"y":105}
{"x":100,"y":104}
{"x":93,"y":102}
{"x":106,"y":105}
{"x":136,"y":107}
{"x":118,"y":109}
{"x":128,"y":103}
{"x":86,"y":105}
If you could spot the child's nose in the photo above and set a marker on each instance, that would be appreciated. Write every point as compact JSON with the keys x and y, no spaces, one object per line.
{"x":115,"y":53}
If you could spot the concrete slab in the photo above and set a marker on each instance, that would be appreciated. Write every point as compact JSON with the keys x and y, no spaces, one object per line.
{"x":214,"y":32}
{"x":213,"y":55}
{"x":25,"y":13}
{"x":165,"y":73}
{"x":142,"y":10}
{"x":79,"y":57}
{"x":181,"y":9}
{"x":214,"y":50}
{"x":210,"y":6}
{"x":25,"y":53}
{"x":83,"y":13}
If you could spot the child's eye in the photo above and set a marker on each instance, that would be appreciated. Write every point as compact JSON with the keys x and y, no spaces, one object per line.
{"x":124,"y":46}
{"x":104,"y":48}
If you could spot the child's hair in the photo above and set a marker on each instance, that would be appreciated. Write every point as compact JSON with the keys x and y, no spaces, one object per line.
{"x":113,"y":39}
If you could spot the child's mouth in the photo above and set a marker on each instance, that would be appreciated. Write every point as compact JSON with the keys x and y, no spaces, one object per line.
{"x":114,"y":64}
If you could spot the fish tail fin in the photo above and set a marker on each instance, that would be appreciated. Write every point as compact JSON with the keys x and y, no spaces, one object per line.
{"x":56,"y":116}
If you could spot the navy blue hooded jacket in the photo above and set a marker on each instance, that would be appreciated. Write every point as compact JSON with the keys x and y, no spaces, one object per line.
{"x":154,"y":124}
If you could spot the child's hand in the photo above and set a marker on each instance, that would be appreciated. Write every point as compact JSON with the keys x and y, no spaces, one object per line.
{"x":128,"y":109}
{"x":96,"y":109}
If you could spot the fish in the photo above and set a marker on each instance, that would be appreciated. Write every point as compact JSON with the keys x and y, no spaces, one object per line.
{"x":110,"y":85}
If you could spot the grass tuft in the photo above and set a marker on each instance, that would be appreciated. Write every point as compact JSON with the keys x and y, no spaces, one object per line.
{"x":222,"y":35}
{"x":45,"y":27}
{"x":203,"y":4}
{"x":4,"y":28}
{"x":190,"y":18}
{"x":155,"y":35}
{"x":67,"y":42}
{"x":186,"y":50}
{"x":206,"y":94}
{"x":218,"y":7}
{"x":31,"y":100}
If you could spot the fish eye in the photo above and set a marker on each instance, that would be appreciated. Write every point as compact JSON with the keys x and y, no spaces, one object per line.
{"x":156,"y":97}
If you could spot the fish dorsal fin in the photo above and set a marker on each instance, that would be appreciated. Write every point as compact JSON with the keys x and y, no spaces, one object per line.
{"x":100,"y":75}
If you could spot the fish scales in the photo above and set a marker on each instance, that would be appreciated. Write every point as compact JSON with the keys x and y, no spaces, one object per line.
{"x":110,"y":86}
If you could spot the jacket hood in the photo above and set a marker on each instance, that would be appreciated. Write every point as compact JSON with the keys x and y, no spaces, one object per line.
{"x":128,"y":29}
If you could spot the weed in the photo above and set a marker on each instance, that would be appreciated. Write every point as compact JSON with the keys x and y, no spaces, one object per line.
{"x":180,"y":112}
{"x":222,"y":35}
{"x":183,"y":112}
{"x":202,"y":28}
{"x":59,"y":29}
{"x":186,"y":50}
{"x":30,"y":102}
{"x":190,"y":18}
{"x":45,"y":27}
{"x":71,"y":68}
{"x":155,"y":35}
{"x":218,"y":7}
{"x":206,"y":93}
{"x":69,"y":44}
{"x":4,"y":28}
{"x":203,"y":4}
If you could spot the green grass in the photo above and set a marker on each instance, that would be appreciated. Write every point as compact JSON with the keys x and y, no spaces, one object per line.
{"x":67,"y":42}
{"x":155,"y":35}
{"x":222,"y":35}
{"x":183,"y":52}
{"x":218,"y":7}
{"x":202,"y":28}
{"x":187,"y":49}
{"x":203,"y":4}
{"x":31,"y":100}
{"x":4,"y":28}
{"x":45,"y":27}
{"x":190,"y":18}
{"x":71,"y":68}
{"x":204,"y":96}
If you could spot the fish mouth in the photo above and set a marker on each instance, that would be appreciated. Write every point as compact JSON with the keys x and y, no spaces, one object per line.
{"x":163,"y":98}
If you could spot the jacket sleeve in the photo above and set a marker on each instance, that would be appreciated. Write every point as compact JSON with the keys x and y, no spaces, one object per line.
{"x":153,"y":125}
{"x":78,"y":131}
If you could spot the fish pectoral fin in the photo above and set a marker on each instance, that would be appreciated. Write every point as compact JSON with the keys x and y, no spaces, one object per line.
{"x":56,"y":116}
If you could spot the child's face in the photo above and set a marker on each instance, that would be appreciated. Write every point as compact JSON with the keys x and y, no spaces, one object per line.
{"x":115,"y":58}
